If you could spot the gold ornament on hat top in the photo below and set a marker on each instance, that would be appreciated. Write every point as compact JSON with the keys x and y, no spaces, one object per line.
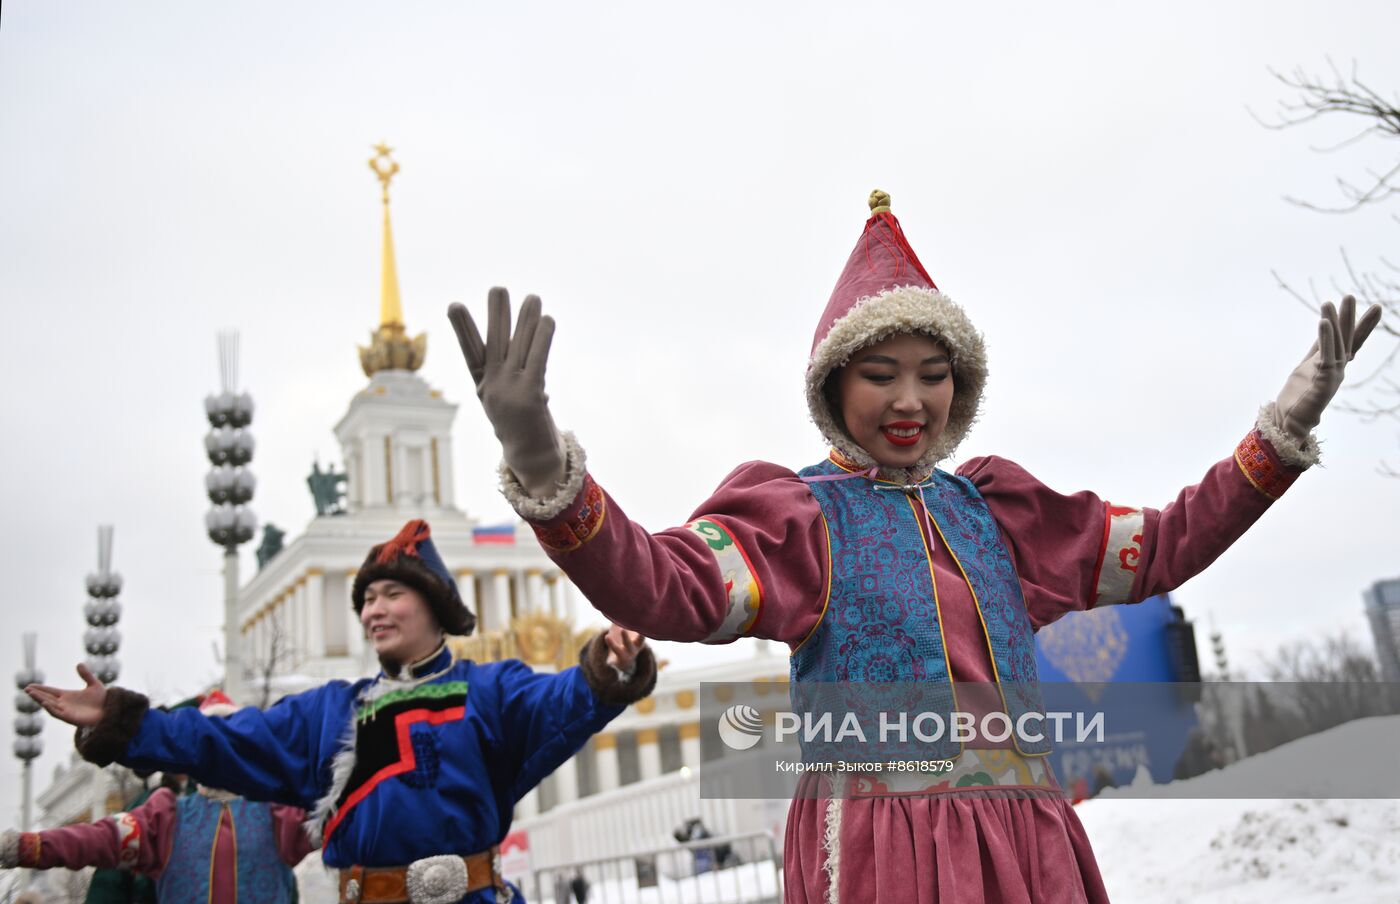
{"x":879,"y":202}
{"x":390,"y":347}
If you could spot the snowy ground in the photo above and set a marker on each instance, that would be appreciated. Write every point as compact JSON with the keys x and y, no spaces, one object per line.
{"x":1161,"y":851}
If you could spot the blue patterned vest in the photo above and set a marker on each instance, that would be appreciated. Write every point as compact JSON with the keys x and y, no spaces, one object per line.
{"x":882,"y":623}
{"x":262,"y":876}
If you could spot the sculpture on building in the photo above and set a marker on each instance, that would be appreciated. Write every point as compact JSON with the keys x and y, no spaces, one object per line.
{"x":327,"y":489}
{"x":271,"y":544}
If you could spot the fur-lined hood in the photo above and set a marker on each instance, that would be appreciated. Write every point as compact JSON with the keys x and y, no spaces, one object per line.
{"x":884,"y":290}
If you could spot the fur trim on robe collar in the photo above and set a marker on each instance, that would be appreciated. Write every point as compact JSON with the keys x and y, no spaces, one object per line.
{"x":343,"y":764}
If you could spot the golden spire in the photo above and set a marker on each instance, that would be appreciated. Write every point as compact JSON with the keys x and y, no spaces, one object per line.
{"x":391,"y":349}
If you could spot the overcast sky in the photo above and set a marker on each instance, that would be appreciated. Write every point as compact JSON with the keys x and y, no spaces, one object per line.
{"x":682,"y":186}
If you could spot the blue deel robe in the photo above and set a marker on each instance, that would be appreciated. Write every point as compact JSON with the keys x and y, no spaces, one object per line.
{"x":438,"y":767}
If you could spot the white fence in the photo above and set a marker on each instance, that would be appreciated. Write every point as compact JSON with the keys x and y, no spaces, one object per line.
{"x":636,"y":817}
{"x":732,"y":869}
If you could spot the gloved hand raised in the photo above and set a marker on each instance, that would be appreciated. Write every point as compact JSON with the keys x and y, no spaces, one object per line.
{"x":509,"y":375}
{"x":1317,"y":378}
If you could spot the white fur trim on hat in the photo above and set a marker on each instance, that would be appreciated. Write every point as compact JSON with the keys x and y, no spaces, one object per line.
{"x":903,"y":309}
{"x":532,"y":508}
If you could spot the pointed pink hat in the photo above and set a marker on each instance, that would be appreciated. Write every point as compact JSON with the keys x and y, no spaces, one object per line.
{"x":885,"y":290}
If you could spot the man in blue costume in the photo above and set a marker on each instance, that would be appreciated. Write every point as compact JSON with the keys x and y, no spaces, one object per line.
{"x":411,"y":777}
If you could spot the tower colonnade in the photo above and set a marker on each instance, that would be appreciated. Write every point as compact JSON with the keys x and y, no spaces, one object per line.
{"x":303,"y":622}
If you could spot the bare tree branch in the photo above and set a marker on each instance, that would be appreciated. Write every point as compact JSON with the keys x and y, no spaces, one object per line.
{"x":1347,"y":96}
{"x":266,"y":663}
{"x":1374,"y":395}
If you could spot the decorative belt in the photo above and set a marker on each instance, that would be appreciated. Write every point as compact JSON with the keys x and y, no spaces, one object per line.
{"x":973,"y":770}
{"x":433,"y":880}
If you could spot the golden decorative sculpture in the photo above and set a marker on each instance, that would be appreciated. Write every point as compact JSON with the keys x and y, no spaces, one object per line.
{"x":538,"y":639}
{"x":541,"y":638}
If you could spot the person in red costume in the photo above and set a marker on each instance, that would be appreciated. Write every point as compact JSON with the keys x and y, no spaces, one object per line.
{"x":874,"y":565}
{"x":210,"y":847}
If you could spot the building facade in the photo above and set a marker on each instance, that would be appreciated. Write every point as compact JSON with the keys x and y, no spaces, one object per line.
{"x":1383,"y":612}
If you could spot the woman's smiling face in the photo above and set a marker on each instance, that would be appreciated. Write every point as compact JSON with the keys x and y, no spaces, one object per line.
{"x":894,"y":397}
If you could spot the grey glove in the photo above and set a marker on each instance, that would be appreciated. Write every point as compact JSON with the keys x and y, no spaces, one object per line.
{"x":509,"y":375}
{"x":9,"y":849}
{"x":1318,"y":376}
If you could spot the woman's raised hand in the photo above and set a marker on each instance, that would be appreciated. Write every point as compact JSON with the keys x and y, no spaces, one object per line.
{"x":509,"y":374}
{"x":1318,"y":376}
{"x":82,"y":707}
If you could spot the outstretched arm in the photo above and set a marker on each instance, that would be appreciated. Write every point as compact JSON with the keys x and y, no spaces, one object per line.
{"x":1080,"y":551}
{"x":546,"y":719}
{"x":752,"y":561}
{"x":138,"y":840}
{"x":265,"y":755}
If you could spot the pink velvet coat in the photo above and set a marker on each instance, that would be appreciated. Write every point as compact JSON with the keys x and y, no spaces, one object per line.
{"x":142,"y":839}
{"x":1071,"y":552}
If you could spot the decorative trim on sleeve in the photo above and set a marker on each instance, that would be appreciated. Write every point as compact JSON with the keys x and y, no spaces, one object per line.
{"x":740,"y":580}
{"x":581,"y":523}
{"x":1118,"y":555}
{"x":128,"y":840}
{"x":31,"y":846}
{"x":1264,"y":472}
{"x":1289,"y":449}
{"x":122,"y":712}
{"x":532,"y":508}
{"x":608,"y":687}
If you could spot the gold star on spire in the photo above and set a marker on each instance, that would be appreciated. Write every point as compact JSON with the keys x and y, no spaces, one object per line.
{"x":384,"y":166}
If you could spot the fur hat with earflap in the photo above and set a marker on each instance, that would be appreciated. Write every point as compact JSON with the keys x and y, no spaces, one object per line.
{"x":885,"y":290}
{"x":411,"y":558}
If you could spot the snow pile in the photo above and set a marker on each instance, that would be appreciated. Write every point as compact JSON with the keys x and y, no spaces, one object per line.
{"x":1172,"y":848}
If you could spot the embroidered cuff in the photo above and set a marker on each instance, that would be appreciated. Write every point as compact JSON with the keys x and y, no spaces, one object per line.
{"x":1264,"y":464}
{"x":577,"y":524}
{"x":1290,"y":450}
{"x":20,"y":849}
{"x":533,"y":508}
{"x":603,"y":678}
{"x":122,"y":712}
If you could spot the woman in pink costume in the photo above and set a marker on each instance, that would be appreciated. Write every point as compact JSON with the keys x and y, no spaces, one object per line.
{"x":874,"y":565}
{"x":210,"y":847}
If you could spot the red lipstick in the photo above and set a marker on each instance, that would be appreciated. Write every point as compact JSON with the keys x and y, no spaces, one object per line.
{"x":913,"y":430}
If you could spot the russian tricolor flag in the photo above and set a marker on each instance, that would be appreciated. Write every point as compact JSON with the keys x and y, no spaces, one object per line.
{"x":494,"y":535}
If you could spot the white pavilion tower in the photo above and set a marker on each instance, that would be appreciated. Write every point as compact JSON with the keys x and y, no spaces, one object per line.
{"x":293,"y":623}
